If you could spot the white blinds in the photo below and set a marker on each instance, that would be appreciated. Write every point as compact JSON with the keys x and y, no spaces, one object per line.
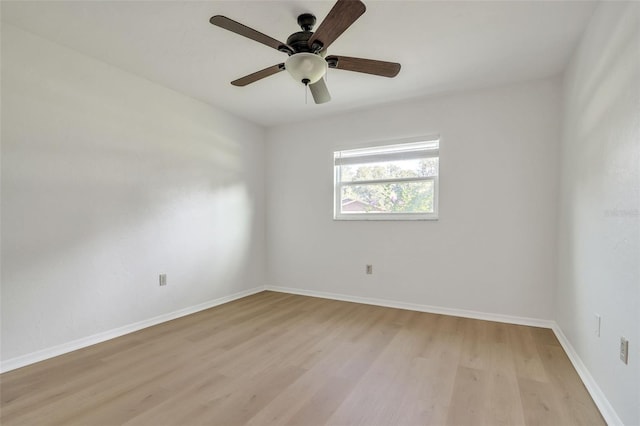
{"x":407,"y":151}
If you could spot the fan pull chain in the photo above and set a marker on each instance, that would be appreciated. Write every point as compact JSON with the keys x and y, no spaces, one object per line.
{"x":306,"y":89}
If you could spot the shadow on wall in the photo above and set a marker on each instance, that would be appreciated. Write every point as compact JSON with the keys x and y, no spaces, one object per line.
{"x":58,"y":196}
{"x":108,"y":181}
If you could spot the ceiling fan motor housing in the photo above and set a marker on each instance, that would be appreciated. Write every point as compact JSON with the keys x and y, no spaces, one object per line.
{"x":299,"y":41}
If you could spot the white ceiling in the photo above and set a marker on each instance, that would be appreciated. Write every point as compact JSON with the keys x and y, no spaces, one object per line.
{"x":442,"y":46}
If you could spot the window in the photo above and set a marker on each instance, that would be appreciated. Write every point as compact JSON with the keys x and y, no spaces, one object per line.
{"x":390,"y":182}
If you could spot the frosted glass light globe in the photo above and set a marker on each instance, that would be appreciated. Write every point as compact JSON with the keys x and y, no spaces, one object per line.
{"x":306,"y":66}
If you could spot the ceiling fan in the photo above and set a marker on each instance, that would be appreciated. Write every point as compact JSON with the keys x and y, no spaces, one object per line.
{"x":308,"y":61}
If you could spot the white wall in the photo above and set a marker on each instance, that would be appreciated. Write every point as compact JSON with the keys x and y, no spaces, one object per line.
{"x":493,"y":248}
{"x":107,"y":181}
{"x":599,"y":222}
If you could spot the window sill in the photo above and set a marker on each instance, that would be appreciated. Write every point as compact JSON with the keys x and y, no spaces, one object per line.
{"x":399,"y":217}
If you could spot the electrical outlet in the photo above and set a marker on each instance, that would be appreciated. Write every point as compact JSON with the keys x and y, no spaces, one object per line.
{"x":163,"y":279}
{"x":369,"y":269}
{"x":596,"y":324}
{"x":624,"y":350}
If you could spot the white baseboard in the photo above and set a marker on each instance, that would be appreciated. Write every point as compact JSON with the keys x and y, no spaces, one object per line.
{"x":534,"y":322}
{"x":41,"y":355}
{"x":601,"y":401}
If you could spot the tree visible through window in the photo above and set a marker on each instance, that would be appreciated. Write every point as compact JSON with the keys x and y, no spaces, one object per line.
{"x":387,"y":182}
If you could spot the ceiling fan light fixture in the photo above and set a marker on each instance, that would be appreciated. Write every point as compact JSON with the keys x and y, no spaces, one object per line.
{"x":306,"y":66}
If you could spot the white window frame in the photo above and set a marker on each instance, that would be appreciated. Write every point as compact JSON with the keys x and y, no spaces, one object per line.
{"x":423,"y":147}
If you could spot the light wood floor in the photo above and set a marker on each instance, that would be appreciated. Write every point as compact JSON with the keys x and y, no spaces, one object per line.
{"x":281,"y":359}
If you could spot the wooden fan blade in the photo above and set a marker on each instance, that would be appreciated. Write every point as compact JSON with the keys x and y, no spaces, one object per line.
{"x":340,"y":17}
{"x":243,"y":30}
{"x":368,"y":66}
{"x":320,"y":92}
{"x":258,"y":75}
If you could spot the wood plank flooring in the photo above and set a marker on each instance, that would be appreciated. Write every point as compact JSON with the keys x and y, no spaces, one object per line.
{"x":280,"y":359}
